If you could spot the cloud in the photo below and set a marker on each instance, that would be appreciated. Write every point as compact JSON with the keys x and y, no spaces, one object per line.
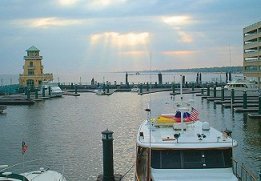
{"x":178,"y":53}
{"x":177,"y":21}
{"x":121,"y":39}
{"x":100,"y":4}
{"x":135,"y":53}
{"x":67,"y":2}
{"x":47,"y":22}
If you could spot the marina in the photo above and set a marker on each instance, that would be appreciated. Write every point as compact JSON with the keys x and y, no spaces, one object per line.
{"x":67,"y":130}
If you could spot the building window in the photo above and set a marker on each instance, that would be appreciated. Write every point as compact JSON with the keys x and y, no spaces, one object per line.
{"x":31,"y":64}
{"x":30,"y":72}
{"x":251,"y":68}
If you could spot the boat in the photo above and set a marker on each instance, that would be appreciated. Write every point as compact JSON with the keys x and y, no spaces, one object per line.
{"x":55,"y":90}
{"x":39,"y":175}
{"x":100,"y":91}
{"x":135,"y":89}
{"x":2,"y":108}
{"x":179,"y":146}
{"x":241,"y":85}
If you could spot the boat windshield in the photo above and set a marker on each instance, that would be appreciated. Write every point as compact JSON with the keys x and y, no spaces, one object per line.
{"x":191,"y":159}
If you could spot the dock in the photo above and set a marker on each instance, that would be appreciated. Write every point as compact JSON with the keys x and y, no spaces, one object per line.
{"x":238,"y":101}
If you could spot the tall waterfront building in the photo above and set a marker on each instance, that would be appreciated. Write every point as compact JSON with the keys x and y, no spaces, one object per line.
{"x":33,"y":75}
{"x":252,"y":51}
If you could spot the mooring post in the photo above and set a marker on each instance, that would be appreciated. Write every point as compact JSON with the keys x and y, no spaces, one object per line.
{"x":107,"y":143}
{"x":147,"y":86}
{"x":28,"y":93}
{"x":43,"y":92}
{"x":36,"y":93}
{"x":202,"y":91}
{"x":75,"y":89}
{"x":259,"y":112}
{"x":232,"y":96}
{"x":173,"y":88}
{"x":140,"y":88}
{"x":245,"y":100}
{"x":49,"y":90}
{"x":215,"y":91}
{"x":222,"y":93}
{"x":193,"y":86}
{"x":108,"y":88}
{"x":208,"y":90}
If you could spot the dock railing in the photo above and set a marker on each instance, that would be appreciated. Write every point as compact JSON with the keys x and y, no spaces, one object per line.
{"x":242,"y":173}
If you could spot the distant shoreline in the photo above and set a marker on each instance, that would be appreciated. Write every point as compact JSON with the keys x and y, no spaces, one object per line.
{"x":232,"y":69}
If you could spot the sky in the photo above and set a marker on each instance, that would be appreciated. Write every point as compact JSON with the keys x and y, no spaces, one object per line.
{"x":77,"y":36}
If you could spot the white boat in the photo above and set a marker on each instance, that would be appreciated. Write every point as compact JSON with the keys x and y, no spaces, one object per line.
{"x":179,"y":147}
{"x":2,"y":108}
{"x":99,"y":91}
{"x":241,"y":85}
{"x":56,"y":91}
{"x":135,"y":89}
{"x":39,"y":175}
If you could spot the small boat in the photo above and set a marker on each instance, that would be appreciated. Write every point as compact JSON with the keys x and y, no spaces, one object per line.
{"x":99,"y":91}
{"x":2,"y":108}
{"x":241,"y":85}
{"x":38,"y":175}
{"x":181,"y":147}
{"x":135,"y":89}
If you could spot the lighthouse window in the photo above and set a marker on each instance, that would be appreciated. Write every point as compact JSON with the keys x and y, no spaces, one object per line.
{"x":30,"y":72}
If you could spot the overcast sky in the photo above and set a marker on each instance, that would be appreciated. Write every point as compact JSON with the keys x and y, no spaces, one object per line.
{"x":122,"y":35}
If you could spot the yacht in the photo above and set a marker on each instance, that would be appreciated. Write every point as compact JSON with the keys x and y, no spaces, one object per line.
{"x":178,"y":146}
{"x":38,"y":175}
{"x":241,"y":85}
{"x":56,"y":91}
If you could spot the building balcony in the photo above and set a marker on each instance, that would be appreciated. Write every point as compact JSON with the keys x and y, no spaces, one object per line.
{"x":41,"y":77}
{"x":252,"y":45}
{"x":249,"y":37}
{"x":252,"y":54}
{"x":33,"y":57}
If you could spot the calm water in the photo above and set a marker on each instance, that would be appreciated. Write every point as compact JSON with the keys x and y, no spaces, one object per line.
{"x":65,"y":133}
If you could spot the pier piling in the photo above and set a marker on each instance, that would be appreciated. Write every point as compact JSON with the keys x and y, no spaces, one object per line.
{"x":43,"y":92}
{"x":75,"y":89}
{"x":259,"y":112}
{"x":107,"y":142}
{"x":208,"y":90}
{"x":232,"y":96}
{"x":36,"y":93}
{"x":49,"y":91}
{"x":108,"y":170}
{"x":222,"y":94}
{"x":173,"y":88}
{"x":28,"y":93}
{"x":245,"y":100}
{"x":215,"y":91}
{"x":140,"y":88}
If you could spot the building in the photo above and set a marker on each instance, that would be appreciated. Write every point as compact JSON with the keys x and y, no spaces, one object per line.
{"x":33,"y":75}
{"x":252,"y":52}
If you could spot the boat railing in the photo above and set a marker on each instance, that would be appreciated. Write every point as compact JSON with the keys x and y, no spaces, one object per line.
{"x":242,"y":173}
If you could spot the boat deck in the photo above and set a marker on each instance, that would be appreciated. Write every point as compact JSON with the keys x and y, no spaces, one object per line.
{"x":174,"y":137}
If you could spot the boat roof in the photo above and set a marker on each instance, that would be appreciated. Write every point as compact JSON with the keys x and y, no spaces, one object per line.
{"x":197,"y":135}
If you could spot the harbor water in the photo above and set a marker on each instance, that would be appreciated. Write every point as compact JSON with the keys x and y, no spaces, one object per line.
{"x":64,"y":134}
